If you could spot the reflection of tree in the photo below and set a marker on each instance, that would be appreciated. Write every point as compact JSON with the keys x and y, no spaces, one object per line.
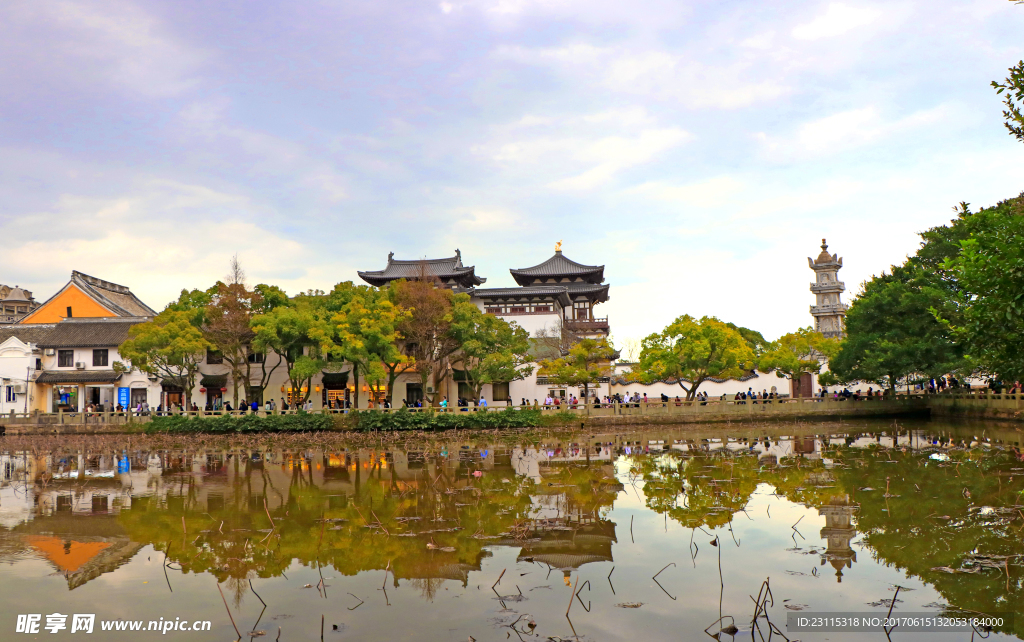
{"x":699,"y":489}
{"x":229,"y":538}
{"x":928,"y":521}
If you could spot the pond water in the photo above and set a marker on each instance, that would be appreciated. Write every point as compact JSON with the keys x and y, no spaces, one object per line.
{"x":656,"y":532}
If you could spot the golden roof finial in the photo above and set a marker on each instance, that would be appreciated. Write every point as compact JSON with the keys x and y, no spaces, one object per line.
{"x":558,"y":246}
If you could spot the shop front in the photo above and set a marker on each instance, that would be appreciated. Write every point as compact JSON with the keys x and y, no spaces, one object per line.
{"x":74,"y":391}
{"x":173,"y":396}
{"x":335,"y":392}
{"x":214,"y":387}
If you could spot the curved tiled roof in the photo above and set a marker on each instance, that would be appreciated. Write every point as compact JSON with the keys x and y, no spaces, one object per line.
{"x":447,"y":269}
{"x":558,"y":292}
{"x":558,"y":266}
{"x":620,"y":380}
{"x":78,"y":376}
{"x":89,"y":333}
{"x":27,"y":333}
{"x":117,"y":297}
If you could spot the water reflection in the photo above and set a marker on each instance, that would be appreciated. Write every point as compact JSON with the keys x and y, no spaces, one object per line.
{"x":436,"y":512}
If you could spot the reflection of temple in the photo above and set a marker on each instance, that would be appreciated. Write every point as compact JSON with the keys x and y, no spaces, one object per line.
{"x":567,"y":544}
{"x":838,"y":531}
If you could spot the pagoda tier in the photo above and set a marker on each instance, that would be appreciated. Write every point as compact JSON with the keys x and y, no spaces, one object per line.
{"x":559,"y":269}
{"x":449,"y":271}
{"x":829,"y":311}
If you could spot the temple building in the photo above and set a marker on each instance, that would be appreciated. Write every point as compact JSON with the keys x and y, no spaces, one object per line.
{"x":15,"y":303}
{"x":556,"y":293}
{"x":449,"y":271}
{"x":829,"y":312}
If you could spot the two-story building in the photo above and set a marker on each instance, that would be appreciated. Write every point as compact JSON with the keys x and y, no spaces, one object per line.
{"x":20,"y":363}
{"x":78,"y":367}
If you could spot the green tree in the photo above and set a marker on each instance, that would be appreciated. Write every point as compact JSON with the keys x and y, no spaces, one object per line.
{"x":689,"y":351}
{"x":170,"y":346}
{"x":367,"y":334}
{"x":989,"y":316}
{"x":586,"y":362}
{"x":892,"y":326}
{"x":301,"y":335}
{"x":492,"y":350}
{"x":796,"y":353}
{"x":892,"y":333}
{"x":427,"y":331}
{"x":754,"y":339}
{"x":1013,"y":86}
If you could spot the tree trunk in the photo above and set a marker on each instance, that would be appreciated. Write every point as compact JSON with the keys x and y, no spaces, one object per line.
{"x":355,"y":379}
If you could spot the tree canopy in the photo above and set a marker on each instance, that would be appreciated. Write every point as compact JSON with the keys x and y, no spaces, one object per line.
{"x":170,"y":346}
{"x":988,"y":318}
{"x":585,"y":363}
{"x":691,"y":351}
{"x":492,"y":350}
{"x":796,"y":353}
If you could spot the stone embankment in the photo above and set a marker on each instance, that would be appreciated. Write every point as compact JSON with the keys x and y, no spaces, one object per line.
{"x":644,"y":413}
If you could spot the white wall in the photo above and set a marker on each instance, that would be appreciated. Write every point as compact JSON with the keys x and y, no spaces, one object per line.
{"x":16,"y":360}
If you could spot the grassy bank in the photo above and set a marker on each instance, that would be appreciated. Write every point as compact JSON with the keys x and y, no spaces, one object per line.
{"x":357,"y":421}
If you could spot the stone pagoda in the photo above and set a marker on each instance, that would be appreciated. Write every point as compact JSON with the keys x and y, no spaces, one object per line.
{"x":838,"y":532}
{"x":830,"y":312}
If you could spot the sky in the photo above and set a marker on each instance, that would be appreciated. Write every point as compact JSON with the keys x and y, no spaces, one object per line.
{"x":699,"y":150}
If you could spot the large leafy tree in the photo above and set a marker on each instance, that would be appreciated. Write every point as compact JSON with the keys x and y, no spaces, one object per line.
{"x":989,"y":302}
{"x":892,"y":333}
{"x":227,"y":326}
{"x":170,"y":346}
{"x":691,"y":351}
{"x":1013,"y":99}
{"x":583,"y":366}
{"x":492,"y":350}
{"x":796,"y":353}
{"x":901,"y":324}
{"x":366,"y":327}
{"x":427,"y":331}
{"x":301,"y":335}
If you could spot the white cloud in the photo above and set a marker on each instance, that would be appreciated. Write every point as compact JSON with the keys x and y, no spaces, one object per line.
{"x":117,"y":41}
{"x":713,"y":192}
{"x":850,"y":129}
{"x":838,"y":19}
{"x":616,"y":153}
{"x":651,"y":74}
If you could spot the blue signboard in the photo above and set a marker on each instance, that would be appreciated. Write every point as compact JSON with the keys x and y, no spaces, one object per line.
{"x":124,"y":397}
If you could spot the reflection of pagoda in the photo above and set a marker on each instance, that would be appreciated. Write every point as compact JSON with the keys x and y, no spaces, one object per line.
{"x":570,"y":545}
{"x":839,"y":531}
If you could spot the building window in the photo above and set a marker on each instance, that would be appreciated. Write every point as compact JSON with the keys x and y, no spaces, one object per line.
{"x":582,"y":309}
{"x":69,"y":311}
{"x":39,"y":364}
{"x":256,"y":357}
{"x":10,"y":394}
{"x":65,"y":358}
{"x":214,"y":357}
{"x":99,"y":357}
